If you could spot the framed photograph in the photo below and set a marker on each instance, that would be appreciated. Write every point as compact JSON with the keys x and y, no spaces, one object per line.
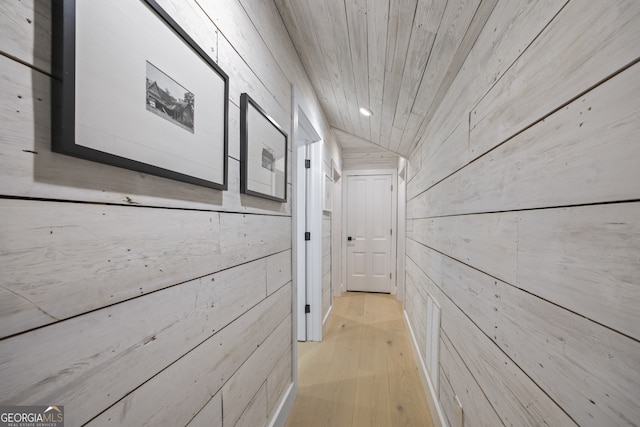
{"x":327,"y":191}
{"x":263,"y":153}
{"x":135,"y":91}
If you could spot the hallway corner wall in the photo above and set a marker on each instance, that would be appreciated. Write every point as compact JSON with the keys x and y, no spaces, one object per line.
{"x":523,"y":220}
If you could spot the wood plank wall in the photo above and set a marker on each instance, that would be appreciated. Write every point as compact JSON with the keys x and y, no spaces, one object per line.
{"x":358,"y":160}
{"x":133,"y":299}
{"x":524,"y":219}
{"x":358,"y":153}
{"x":327,"y":218}
{"x":327,"y":294}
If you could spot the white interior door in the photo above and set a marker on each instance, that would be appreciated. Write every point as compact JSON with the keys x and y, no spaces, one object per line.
{"x":369,"y":233}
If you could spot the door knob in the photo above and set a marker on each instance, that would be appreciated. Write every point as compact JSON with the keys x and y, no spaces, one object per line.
{"x":349,"y":238}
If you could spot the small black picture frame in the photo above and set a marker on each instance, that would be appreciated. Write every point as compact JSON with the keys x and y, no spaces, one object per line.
{"x":263,"y":153}
{"x":132,"y":89}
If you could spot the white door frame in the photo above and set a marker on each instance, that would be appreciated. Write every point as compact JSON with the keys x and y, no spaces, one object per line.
{"x":314,"y":246}
{"x":394,"y":211}
{"x":305,"y":283}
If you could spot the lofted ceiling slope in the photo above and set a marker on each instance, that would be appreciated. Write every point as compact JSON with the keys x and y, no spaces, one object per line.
{"x":396,"y":58}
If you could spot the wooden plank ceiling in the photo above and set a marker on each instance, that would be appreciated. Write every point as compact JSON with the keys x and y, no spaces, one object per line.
{"x":396,"y":58}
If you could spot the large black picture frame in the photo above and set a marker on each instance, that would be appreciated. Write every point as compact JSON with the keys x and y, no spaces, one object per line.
{"x":132,"y":89}
{"x":263,"y":153}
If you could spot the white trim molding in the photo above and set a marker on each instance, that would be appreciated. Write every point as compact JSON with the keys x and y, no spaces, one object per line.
{"x":437,"y":414}
{"x":284,"y":408}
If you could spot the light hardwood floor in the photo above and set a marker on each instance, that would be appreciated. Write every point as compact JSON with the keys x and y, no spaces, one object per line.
{"x":363,"y":373}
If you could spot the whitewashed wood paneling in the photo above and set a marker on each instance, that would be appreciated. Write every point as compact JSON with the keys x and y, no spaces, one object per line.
{"x":401,"y":14}
{"x":377,"y":24}
{"x":295,"y":20}
{"x":487,"y":241}
{"x":427,"y":22}
{"x":416,"y":303}
{"x":456,"y":376}
{"x":267,"y":20}
{"x":542,"y":316}
{"x":236,"y":27}
{"x":446,"y":397}
{"x":243,"y":79}
{"x":341,"y":65}
{"x":278,"y":380}
{"x":610,"y":354}
{"x":326,"y":256}
{"x":514,"y":396}
{"x":239,"y":390}
{"x":108,"y":362}
{"x":576,"y":369}
{"x":356,"y":24}
{"x":210,"y":415}
{"x":586,"y":259}
{"x":459,"y":27}
{"x":511,"y":28}
{"x":80,"y":249}
{"x":91,"y":256}
{"x":113,"y":362}
{"x":167,"y":282}
{"x":278,"y":271}
{"x":354,"y":160}
{"x":195,"y":378}
{"x":421,"y":257}
{"x":409,"y":52}
{"x":440,"y":160}
{"x":357,"y":153}
{"x":592,"y":140}
{"x":25,"y":32}
{"x":244,"y":238}
{"x":255,"y":413}
{"x":327,"y":295}
{"x":413,"y":163}
{"x":198,"y":26}
{"x":601,"y":40}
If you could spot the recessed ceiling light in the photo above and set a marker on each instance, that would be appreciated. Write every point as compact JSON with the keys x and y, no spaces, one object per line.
{"x":365,"y":112}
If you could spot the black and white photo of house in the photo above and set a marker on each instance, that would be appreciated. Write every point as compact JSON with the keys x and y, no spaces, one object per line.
{"x":169,"y":99}
{"x":268,"y":159}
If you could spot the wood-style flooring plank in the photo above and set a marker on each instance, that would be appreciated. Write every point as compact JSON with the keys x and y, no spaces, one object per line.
{"x":363,"y":373}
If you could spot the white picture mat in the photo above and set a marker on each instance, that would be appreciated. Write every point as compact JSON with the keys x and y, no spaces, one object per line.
{"x":327,"y":202}
{"x":114,"y":41}
{"x":261,"y":133}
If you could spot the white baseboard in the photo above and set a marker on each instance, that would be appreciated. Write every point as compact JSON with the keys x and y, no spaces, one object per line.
{"x":284,"y":408}
{"x":437,"y":415}
{"x":327,"y":315}
{"x":324,"y":321}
